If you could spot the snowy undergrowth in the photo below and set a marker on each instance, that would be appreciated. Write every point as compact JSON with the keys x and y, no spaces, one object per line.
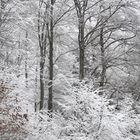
{"x":86,"y":116}
{"x":12,"y":116}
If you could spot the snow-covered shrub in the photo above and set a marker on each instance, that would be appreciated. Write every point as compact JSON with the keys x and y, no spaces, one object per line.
{"x":79,"y":118}
{"x":12,"y":121}
{"x":89,"y":116}
{"x":85,"y":115}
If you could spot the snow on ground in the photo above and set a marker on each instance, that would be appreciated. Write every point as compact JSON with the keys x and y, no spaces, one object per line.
{"x":87,"y":116}
{"x":84,"y":115}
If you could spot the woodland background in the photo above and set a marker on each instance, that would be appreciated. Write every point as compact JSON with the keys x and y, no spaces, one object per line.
{"x":70,"y":69}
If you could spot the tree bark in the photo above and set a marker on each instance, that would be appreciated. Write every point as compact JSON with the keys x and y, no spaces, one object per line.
{"x":80,"y":8}
{"x":26,"y":61}
{"x":81,"y":47}
{"x":51,"y":40}
{"x":103,"y":63}
{"x":42,"y":45}
{"x":42,"y":62}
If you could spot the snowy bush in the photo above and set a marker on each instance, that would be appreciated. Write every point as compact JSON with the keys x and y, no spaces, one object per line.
{"x":12,"y":121}
{"x":85,"y":115}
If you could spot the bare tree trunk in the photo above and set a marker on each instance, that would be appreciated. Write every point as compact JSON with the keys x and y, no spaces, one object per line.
{"x":36,"y":87}
{"x":42,"y":62}
{"x":50,"y":84}
{"x":19,"y":57}
{"x":26,"y":72}
{"x":0,"y":12}
{"x":81,"y":48}
{"x":103,"y":63}
{"x":81,"y":8}
{"x":42,"y":35}
{"x":26,"y":62}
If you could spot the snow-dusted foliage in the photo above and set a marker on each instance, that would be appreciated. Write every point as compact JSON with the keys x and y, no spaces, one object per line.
{"x":86,"y":116}
{"x":12,"y":117}
{"x":83,"y":114}
{"x":69,"y":70}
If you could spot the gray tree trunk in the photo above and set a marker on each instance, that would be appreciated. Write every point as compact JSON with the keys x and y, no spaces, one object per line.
{"x":42,"y":35}
{"x":81,"y":8}
{"x":42,"y":62}
{"x":26,"y":61}
{"x":81,"y":48}
{"x":51,"y":40}
{"x":103,"y":63}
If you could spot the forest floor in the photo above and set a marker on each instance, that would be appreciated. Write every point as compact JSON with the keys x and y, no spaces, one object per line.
{"x":84,"y":115}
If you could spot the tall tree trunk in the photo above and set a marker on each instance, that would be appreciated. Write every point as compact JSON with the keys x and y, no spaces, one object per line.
{"x":42,"y":62}
{"x":81,"y":48}
{"x":36,"y":87}
{"x":19,"y":57}
{"x":81,"y":8}
{"x":42,"y":35}
{"x":50,"y":84}
{"x":26,"y":72}
{"x":26,"y":61}
{"x":103,"y":63}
